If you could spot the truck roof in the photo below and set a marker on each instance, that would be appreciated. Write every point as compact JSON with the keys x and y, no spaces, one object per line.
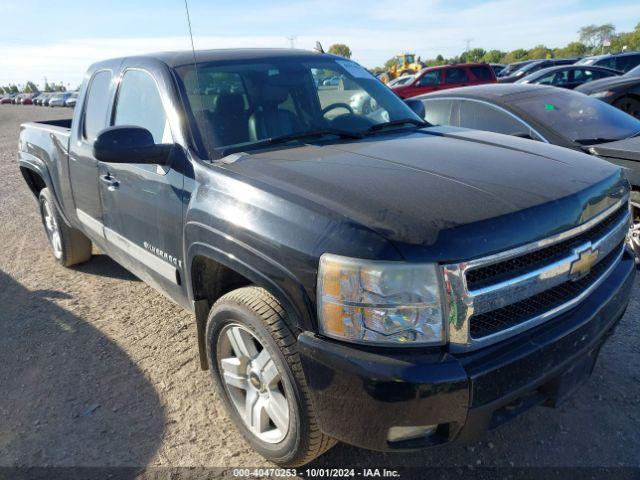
{"x":185,"y":57}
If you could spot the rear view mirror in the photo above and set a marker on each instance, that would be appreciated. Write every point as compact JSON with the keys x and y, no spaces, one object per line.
{"x":417,"y":106}
{"x":129,"y":144}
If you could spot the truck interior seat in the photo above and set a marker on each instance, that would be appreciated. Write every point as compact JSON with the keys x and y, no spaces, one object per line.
{"x":270,"y":120}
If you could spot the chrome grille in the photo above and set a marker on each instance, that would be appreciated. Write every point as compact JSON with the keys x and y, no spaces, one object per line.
{"x":498,"y":296}
{"x":483,"y":276}
{"x":488,"y":323}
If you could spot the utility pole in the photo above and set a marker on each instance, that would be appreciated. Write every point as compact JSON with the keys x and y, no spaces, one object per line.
{"x":292,"y":41}
{"x":467,"y":42}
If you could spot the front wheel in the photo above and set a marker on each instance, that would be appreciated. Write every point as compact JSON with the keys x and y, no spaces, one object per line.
{"x":256,"y":368}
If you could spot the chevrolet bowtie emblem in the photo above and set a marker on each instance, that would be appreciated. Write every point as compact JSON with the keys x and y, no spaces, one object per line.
{"x":587,"y":256}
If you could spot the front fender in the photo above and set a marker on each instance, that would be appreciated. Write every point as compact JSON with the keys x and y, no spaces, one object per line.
{"x":259,"y":268}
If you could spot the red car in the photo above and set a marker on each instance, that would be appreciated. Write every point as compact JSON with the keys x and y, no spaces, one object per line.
{"x":431,"y":79}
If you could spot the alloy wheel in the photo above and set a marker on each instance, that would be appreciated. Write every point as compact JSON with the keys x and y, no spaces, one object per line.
{"x":253,"y":383}
{"x":52,"y":228}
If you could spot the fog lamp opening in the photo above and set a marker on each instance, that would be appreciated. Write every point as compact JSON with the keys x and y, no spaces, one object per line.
{"x":399,"y":434}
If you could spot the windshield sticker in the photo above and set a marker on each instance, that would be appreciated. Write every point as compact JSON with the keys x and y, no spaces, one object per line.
{"x":354,"y":69}
{"x":548,"y":106}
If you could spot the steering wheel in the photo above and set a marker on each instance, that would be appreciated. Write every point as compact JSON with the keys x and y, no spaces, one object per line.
{"x":333,"y":106}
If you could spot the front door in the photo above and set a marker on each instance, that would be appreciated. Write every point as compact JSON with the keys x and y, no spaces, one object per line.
{"x":142,"y":204}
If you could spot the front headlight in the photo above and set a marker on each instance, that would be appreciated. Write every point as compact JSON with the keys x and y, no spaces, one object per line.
{"x":373,"y":302}
{"x":603,"y":94}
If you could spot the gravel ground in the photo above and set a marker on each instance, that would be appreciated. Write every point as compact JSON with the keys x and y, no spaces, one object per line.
{"x":98,"y":369}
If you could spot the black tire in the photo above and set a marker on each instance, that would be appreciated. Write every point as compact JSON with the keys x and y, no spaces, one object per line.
{"x":258,"y":311}
{"x":72,"y":246}
{"x":628,"y":105}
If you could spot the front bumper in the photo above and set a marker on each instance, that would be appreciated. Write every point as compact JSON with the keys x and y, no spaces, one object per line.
{"x":359,"y":394}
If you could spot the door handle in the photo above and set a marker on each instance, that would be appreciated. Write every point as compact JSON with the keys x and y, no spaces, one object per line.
{"x":111,"y":183}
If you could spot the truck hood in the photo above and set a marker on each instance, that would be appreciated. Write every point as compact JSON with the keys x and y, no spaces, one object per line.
{"x":437,"y":192}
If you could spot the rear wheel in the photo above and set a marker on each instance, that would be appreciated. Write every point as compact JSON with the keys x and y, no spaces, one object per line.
{"x":255,"y":365}
{"x":69,"y":246}
{"x":629,"y":105}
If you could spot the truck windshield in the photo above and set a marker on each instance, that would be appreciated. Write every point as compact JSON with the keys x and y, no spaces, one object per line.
{"x":240,"y":106}
{"x":578,"y":117}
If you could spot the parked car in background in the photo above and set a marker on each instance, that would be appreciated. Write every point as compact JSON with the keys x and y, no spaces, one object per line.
{"x":569,"y":76}
{"x":45,"y":101}
{"x":446,"y":76}
{"x":622,"y":92}
{"x":401,"y":80}
{"x":8,"y":98}
{"x":28,"y":98}
{"x":618,"y":61}
{"x":71,"y":101}
{"x":497,"y":68}
{"x":551,"y":115}
{"x":534,"y":66}
{"x":512,"y":67}
{"x":37,"y":97}
{"x":331,"y":82}
{"x":59,"y":99}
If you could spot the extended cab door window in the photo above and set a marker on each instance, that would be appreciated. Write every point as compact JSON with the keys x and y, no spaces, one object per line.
{"x":83,"y":167}
{"x":139,"y":103}
{"x":96,"y":105}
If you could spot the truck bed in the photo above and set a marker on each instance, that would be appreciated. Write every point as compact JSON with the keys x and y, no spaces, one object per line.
{"x":43,"y":147}
{"x":63,"y":124}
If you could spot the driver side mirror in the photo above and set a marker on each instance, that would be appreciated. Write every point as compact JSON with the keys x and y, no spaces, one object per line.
{"x":129,"y":144}
{"x":417,"y":106}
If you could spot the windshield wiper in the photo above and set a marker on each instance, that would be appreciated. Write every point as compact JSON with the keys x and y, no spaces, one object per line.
{"x":290,"y":137}
{"x":394,"y":123}
{"x":592,"y":141}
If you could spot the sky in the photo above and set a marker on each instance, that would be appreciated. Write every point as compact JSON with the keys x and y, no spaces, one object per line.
{"x":59,"y":40}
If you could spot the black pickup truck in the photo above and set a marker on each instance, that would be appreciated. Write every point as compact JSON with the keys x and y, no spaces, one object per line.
{"x":355,"y":274}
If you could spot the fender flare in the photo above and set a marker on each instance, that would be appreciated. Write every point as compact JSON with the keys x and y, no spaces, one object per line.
{"x":244,"y":262}
{"x":37,"y":166}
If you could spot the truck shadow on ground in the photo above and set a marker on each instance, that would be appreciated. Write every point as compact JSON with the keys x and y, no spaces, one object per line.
{"x":71,"y":396}
{"x":104,"y":266}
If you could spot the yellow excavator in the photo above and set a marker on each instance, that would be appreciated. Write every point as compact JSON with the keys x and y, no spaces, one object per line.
{"x":405,"y":64}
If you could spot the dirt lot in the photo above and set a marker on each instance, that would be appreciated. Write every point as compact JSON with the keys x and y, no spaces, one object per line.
{"x":97,"y":369}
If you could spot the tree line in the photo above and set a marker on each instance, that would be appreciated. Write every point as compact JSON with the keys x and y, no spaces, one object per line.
{"x":592,"y":40}
{"x":31,"y":87}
